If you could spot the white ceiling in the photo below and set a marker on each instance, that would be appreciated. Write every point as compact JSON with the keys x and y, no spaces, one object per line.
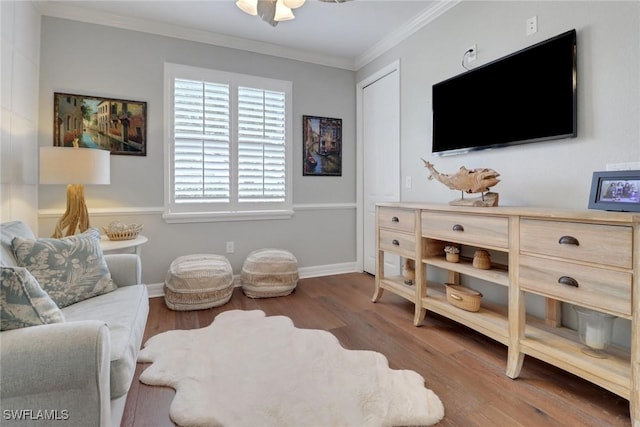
{"x":345,"y":35}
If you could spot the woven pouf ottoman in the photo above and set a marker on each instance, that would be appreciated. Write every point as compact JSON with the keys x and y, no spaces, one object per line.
{"x":196,"y":282}
{"x":269,"y":273}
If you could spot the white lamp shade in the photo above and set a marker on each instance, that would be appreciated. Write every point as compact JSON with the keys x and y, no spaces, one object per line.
{"x":293,"y":4}
{"x":69,"y":165}
{"x":283,"y":13}
{"x":248,"y":6}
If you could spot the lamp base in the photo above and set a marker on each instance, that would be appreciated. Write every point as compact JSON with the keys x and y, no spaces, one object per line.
{"x":76,"y":215}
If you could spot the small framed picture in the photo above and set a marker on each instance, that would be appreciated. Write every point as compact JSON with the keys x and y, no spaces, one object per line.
{"x":322,"y":146}
{"x":615,"y":191}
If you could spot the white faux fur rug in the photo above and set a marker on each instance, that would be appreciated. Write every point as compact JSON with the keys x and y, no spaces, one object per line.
{"x":246,"y":369}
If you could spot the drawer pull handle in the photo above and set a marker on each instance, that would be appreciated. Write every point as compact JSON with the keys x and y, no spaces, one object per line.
{"x":569,"y":240}
{"x":458,"y":227}
{"x":395,"y":242}
{"x":569,"y":281}
{"x":395,"y":219}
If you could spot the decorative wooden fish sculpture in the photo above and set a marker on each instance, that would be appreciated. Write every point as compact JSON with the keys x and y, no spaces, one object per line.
{"x":469,"y":181}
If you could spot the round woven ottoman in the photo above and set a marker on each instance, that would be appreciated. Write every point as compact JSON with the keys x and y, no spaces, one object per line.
{"x":196,"y":282}
{"x":269,"y":273}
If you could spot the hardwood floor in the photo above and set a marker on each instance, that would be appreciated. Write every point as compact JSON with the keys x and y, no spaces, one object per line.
{"x":465,"y":369}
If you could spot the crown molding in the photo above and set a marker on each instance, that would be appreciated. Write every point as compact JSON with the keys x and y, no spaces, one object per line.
{"x":404,"y":32}
{"x":62,"y":11}
{"x":74,"y":13}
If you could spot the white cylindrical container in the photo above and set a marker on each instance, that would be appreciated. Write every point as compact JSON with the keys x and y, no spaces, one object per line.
{"x":595,"y":330}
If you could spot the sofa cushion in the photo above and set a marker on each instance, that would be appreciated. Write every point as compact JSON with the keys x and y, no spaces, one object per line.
{"x":24,"y":303}
{"x":8,"y":231}
{"x":125,"y":312}
{"x":70,"y":269}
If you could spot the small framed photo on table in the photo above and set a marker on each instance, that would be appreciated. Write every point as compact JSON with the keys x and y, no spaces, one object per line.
{"x":615,"y":191}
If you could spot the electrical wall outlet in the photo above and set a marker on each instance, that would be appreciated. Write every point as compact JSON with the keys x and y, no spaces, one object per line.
{"x":230,"y":247}
{"x":532,"y":25}
{"x":407,"y":181}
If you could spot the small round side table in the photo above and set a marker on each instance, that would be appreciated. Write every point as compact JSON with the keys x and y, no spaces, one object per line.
{"x":122,"y":246}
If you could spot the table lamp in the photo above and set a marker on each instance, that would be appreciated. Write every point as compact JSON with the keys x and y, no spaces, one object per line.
{"x":75,"y":167}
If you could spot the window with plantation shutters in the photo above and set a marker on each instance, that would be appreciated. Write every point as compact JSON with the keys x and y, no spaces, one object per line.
{"x":261,"y":145}
{"x":229,"y":152}
{"x":201,"y":141}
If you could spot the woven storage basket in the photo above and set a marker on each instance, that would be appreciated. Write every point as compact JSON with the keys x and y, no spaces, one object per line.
{"x":482,"y":260}
{"x":122,"y":232}
{"x":463,"y":297}
{"x":196,"y":282}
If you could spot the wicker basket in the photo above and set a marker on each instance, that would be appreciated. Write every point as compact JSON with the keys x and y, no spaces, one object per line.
{"x":120,"y":231}
{"x":452,"y":257}
{"x":463,"y":297}
{"x":482,"y":260}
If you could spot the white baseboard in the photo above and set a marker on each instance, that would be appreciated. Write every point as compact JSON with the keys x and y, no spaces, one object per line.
{"x":327,"y":270}
{"x":156,"y":290}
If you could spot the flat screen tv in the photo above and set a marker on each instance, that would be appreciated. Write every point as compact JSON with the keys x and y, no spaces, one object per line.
{"x":528,"y":96}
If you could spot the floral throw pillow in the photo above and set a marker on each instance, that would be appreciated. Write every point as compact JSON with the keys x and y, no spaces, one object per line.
{"x":23,"y":303}
{"x":70,"y":269}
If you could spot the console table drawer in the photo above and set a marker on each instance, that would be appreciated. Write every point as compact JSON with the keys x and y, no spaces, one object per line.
{"x":596,"y":287}
{"x":601,"y":244}
{"x":399,"y":243}
{"x":478,"y":230}
{"x":397,"y":219}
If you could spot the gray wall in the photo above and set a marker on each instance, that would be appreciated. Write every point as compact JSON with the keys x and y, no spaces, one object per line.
{"x":552,"y":174}
{"x":555,"y":174}
{"x":97,"y":60}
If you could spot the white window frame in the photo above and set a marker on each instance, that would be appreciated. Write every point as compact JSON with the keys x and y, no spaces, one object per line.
{"x":220,"y":211}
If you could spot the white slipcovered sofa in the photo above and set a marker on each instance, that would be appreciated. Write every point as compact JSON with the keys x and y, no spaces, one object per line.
{"x":78,"y":372}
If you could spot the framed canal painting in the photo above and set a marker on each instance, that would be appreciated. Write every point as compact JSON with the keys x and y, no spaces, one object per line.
{"x":117,"y":125}
{"x":322,"y":151}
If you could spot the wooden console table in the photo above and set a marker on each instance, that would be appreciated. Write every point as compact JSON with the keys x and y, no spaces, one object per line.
{"x":585,"y":258}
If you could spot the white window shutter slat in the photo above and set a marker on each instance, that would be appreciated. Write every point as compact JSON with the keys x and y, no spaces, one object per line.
{"x":201,"y":141}
{"x":261,"y":145}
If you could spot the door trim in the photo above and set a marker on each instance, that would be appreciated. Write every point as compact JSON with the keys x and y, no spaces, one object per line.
{"x":360,"y":211}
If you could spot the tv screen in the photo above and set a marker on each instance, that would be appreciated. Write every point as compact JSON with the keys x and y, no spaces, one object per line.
{"x":525,"y":97}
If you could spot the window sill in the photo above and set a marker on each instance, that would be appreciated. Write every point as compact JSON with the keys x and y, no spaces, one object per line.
{"x":190,"y":217}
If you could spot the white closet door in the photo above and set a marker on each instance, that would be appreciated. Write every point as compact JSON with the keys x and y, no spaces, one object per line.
{"x":381,"y":159}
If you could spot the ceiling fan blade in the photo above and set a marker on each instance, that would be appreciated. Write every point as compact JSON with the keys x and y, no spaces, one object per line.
{"x":267,"y":11}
